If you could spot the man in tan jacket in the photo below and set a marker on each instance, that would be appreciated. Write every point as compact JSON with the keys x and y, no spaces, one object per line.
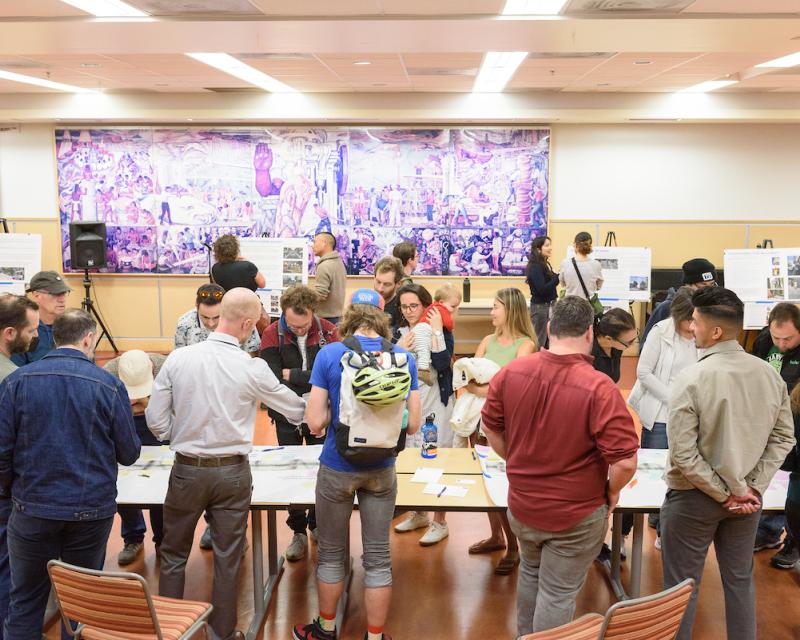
{"x":730,"y":428}
{"x":331,"y":277}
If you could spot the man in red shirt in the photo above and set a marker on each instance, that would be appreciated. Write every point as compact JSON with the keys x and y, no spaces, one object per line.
{"x":570,"y":446}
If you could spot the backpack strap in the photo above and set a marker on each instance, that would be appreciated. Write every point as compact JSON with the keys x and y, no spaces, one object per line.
{"x":353,"y":344}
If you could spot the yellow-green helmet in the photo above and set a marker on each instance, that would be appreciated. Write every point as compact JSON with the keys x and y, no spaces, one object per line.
{"x":381,"y":387}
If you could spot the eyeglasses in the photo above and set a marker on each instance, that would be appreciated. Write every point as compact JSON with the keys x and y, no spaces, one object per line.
{"x":217,"y":295}
{"x":634,"y":340}
{"x":410,"y":307}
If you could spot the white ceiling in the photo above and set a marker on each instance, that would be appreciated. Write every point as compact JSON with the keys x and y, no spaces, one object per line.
{"x":412,"y":45}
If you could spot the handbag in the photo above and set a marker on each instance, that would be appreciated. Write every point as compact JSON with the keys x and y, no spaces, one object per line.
{"x":593,"y":299}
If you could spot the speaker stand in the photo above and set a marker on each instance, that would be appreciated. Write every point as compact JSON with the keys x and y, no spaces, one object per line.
{"x":88,"y":306}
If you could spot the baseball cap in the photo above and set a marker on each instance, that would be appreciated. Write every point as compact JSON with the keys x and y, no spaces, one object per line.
{"x":698,"y":270}
{"x":136,"y":372}
{"x":48,"y":281}
{"x":367,"y":296}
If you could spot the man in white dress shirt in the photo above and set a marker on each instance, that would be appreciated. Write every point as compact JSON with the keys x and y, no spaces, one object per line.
{"x":204,"y":402}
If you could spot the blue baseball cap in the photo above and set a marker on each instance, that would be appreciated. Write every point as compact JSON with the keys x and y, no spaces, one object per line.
{"x":367,"y":296}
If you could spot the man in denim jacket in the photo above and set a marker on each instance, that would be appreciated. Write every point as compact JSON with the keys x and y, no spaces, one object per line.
{"x":64,"y":426}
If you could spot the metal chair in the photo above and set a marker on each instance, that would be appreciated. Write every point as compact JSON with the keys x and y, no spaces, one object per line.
{"x":584,"y":628}
{"x":110,"y":605}
{"x":654,"y":617}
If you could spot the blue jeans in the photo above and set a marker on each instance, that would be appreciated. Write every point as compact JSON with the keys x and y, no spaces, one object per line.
{"x":133,"y":527}
{"x":655,"y":438}
{"x":5,"y":570}
{"x":771,"y":525}
{"x":32,"y":542}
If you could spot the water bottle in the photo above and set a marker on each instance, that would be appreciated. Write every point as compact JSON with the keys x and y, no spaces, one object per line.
{"x":430,"y":438}
{"x":465,"y":290}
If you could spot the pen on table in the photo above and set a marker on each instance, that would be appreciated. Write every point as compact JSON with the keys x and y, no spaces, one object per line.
{"x":273,"y":448}
{"x":472,"y":451}
{"x":439,"y":495}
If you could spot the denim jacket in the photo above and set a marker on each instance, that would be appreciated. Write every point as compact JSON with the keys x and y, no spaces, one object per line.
{"x":64,"y":425}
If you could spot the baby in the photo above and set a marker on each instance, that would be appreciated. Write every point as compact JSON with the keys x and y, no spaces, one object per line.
{"x":445,"y":300}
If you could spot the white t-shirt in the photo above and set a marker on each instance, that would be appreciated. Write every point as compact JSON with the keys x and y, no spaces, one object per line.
{"x":592,"y":274}
{"x":301,"y":344}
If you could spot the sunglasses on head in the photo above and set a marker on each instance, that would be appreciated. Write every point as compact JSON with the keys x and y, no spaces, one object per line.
{"x":217,"y":295}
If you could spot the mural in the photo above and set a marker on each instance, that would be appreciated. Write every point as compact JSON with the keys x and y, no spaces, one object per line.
{"x":471,"y":199}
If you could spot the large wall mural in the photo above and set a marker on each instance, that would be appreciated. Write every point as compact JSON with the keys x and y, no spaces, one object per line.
{"x":470,"y":199}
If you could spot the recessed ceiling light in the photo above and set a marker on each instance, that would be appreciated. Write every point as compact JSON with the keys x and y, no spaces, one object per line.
{"x":792,"y":60}
{"x":533,"y":7}
{"x":107,"y":8}
{"x":705,"y":87}
{"x":41,"y":82}
{"x":642,"y":62}
{"x":362,"y":63}
{"x":90,"y":65}
{"x":497,"y":69}
{"x":603,"y":84}
{"x":230,"y":65}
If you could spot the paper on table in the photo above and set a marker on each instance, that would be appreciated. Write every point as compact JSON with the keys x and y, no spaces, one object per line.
{"x":465,"y":481}
{"x":445,"y":490}
{"x":427,"y":476}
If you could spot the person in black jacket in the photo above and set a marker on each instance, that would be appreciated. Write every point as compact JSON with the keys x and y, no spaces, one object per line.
{"x":289,"y":346}
{"x":543,"y":282}
{"x":792,"y":465}
{"x":779,"y":344}
{"x":697,"y":273}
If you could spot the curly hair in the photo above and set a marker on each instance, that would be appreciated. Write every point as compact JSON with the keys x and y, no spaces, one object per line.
{"x":299,"y":299}
{"x":364,"y":316}
{"x":226,"y":248}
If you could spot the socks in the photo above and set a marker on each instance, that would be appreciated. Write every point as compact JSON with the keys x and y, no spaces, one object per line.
{"x":374,"y":633}
{"x":327,"y":621}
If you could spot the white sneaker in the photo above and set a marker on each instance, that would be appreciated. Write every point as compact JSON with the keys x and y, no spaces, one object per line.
{"x":658,"y":543}
{"x":297,"y":547}
{"x":413,"y":521}
{"x":435,"y":533}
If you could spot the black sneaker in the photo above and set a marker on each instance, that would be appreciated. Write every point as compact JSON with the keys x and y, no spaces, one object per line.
{"x":787,"y":557}
{"x":763,"y":541}
{"x":312,"y":631}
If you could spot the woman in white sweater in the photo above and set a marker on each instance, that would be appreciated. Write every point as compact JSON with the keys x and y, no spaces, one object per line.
{"x":590,"y":270}
{"x":670,"y":348}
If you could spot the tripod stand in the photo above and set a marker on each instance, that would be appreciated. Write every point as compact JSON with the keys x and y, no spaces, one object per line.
{"x":88,"y":306}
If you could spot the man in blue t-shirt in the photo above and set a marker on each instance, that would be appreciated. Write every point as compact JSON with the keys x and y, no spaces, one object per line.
{"x":339,"y":480}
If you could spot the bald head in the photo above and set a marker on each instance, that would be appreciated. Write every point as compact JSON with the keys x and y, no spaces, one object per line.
{"x":239,"y":311}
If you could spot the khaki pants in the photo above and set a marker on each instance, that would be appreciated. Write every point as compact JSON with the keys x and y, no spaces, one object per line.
{"x":553,"y":569}
{"x":224,"y":494}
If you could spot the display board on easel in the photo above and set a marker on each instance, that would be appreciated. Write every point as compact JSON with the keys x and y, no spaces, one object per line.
{"x":283,"y":263}
{"x":20,"y":259}
{"x":762,"y":278}
{"x":626,"y":272}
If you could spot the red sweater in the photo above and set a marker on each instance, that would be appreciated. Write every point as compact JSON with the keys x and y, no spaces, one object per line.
{"x":564,"y":424}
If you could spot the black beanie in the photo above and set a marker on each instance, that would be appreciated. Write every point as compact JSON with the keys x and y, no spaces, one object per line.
{"x":698,"y":270}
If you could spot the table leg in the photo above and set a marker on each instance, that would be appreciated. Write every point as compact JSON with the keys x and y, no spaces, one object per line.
{"x":615,"y":576}
{"x":636,"y":555}
{"x":262,"y":593}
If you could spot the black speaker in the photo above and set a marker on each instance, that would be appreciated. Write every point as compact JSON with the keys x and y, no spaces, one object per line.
{"x":87,"y":244}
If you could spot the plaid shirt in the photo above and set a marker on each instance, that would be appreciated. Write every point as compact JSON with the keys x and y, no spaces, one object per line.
{"x":190,"y":330}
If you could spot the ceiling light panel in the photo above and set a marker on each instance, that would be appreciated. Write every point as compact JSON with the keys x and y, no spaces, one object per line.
{"x":497,"y":69}
{"x":107,"y":8}
{"x":238,"y":69}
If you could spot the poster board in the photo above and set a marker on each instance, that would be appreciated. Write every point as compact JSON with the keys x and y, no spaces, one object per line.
{"x":626,"y":273}
{"x":470,"y":199}
{"x":20,"y":259}
{"x":282,"y":261}
{"x":762,"y":278}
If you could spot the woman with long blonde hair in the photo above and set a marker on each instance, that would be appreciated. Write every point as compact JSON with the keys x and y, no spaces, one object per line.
{"x":513,"y":337}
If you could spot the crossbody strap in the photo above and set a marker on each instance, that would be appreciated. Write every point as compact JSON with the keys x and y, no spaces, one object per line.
{"x":580,"y":277}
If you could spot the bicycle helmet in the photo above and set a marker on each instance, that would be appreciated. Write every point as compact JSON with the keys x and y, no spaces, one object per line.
{"x":381,"y":387}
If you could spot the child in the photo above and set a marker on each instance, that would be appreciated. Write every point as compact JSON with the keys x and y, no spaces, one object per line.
{"x":445,"y":300}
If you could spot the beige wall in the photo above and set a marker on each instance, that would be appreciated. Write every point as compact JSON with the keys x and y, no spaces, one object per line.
{"x":141,"y":311}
